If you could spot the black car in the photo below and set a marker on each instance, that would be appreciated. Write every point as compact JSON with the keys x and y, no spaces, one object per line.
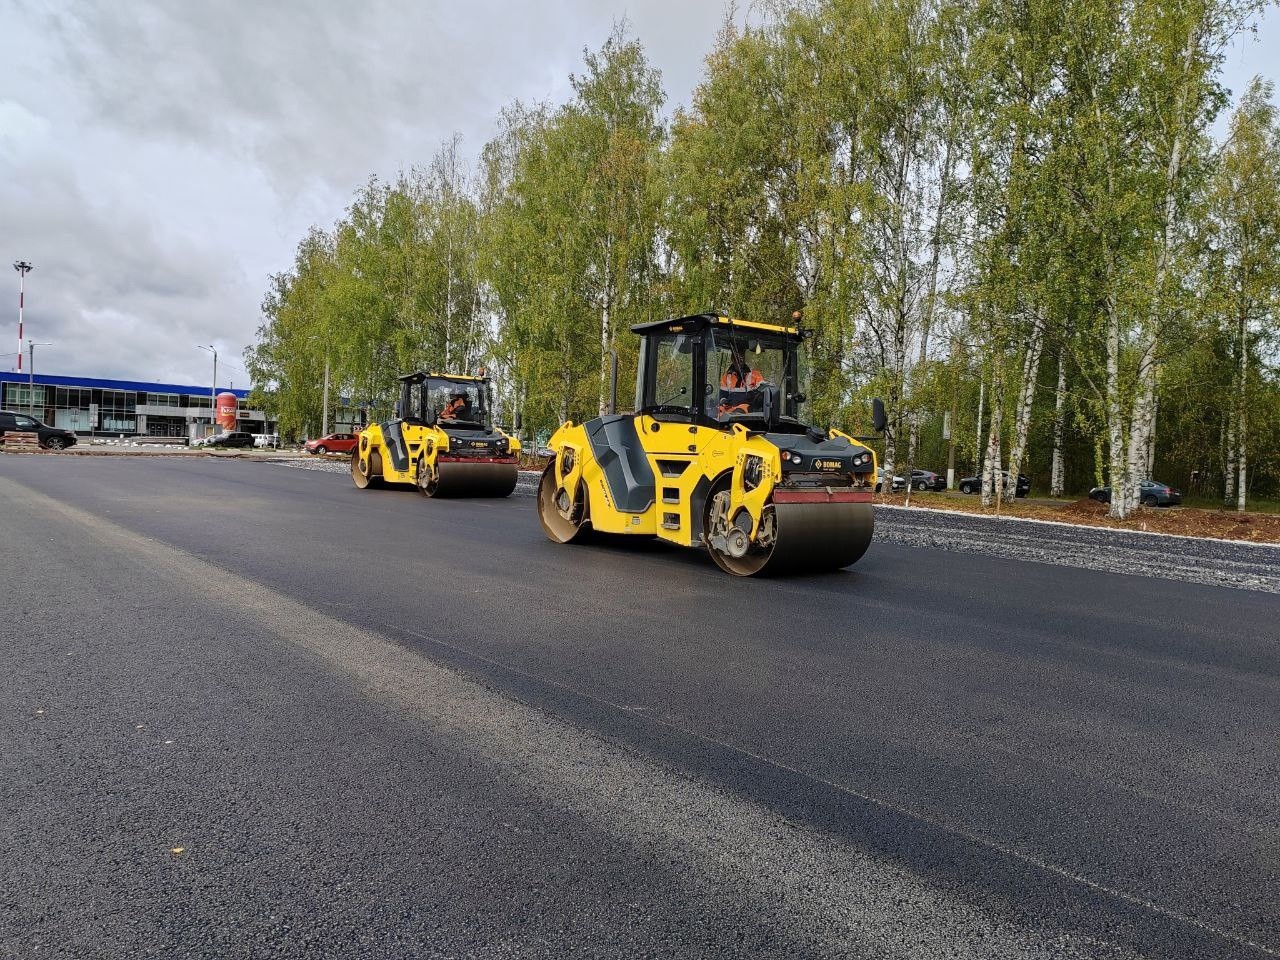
{"x":234,"y":438}
{"x":974,"y":484}
{"x":1150,"y":494}
{"x":51,"y":438}
{"x":921,"y":480}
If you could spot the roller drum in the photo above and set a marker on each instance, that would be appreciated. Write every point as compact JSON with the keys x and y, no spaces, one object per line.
{"x":810,"y":537}
{"x":460,"y":479}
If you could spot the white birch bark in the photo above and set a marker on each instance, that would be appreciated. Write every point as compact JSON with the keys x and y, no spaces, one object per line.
{"x":1229,"y":467}
{"x":1141,"y":426}
{"x":991,"y":464}
{"x":1022,"y":416}
{"x":1116,"y":447}
{"x":1142,"y":419}
{"x":604,"y":358}
{"x":1057,"y":482}
{"x":1242,"y":424}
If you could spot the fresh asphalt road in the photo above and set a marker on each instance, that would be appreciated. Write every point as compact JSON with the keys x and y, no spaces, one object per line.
{"x":248,"y":710}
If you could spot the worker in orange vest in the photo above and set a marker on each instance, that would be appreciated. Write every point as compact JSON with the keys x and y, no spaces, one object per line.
{"x":457,"y":406}
{"x":738,"y":377}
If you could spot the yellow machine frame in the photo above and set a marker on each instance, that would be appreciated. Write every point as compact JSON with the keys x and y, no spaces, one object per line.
{"x":437,"y":460}
{"x":693,"y":462}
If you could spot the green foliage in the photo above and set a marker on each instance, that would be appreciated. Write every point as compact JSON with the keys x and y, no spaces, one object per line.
{"x":945,"y":189}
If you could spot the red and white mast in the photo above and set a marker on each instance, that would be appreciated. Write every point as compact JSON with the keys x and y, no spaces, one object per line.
{"x":23,"y":269}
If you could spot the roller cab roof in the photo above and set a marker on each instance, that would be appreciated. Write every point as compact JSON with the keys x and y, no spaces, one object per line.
{"x":701,"y":321}
{"x":418,"y":376}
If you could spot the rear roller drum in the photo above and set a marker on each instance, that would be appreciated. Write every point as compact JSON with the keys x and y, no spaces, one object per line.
{"x":793,"y":537}
{"x":366,"y":474}
{"x":562,"y":520}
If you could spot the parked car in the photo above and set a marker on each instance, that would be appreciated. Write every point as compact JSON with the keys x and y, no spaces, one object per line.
{"x":232,"y":438}
{"x":974,"y":484}
{"x":921,"y":480}
{"x":896,"y":484}
{"x":267,"y":440}
{"x":332,"y":443}
{"x":1150,"y":494}
{"x":51,"y":438}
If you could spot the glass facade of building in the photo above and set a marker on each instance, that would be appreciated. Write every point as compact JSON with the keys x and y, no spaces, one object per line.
{"x":94,"y":407}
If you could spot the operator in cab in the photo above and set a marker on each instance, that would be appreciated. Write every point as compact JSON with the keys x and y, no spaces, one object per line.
{"x":457,"y":408}
{"x":738,"y":378}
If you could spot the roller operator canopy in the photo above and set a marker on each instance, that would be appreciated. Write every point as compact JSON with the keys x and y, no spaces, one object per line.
{"x":700,"y":321}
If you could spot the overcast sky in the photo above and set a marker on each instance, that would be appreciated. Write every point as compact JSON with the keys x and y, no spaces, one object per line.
{"x":159,"y":159}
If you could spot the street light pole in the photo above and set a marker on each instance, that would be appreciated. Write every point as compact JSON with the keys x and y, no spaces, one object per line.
{"x":23,"y":269}
{"x":31,"y":376}
{"x":213,"y":390}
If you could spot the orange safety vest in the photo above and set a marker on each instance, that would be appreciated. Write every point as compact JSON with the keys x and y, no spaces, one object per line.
{"x":452,"y":409}
{"x":731,"y":380}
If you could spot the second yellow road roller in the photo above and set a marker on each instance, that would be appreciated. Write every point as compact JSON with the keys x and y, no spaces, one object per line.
{"x":442,"y":440}
{"x":719,"y":453}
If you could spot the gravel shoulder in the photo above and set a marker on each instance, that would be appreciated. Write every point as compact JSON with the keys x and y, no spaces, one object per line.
{"x":1227,"y":563}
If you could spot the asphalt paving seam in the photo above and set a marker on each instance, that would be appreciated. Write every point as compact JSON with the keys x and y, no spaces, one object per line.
{"x":817,"y":882}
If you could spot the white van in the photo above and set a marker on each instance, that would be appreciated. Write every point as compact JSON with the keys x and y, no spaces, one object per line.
{"x":271,"y":440}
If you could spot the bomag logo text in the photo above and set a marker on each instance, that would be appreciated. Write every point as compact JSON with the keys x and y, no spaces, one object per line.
{"x":827,"y":464}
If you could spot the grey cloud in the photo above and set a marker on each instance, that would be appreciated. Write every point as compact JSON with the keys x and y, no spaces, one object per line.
{"x":112,"y":294}
{"x":159,"y":159}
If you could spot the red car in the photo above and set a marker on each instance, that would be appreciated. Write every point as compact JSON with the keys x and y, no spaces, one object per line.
{"x":333,"y":443}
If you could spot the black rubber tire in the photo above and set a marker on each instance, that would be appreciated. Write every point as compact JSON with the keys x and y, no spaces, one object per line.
{"x":1150,"y":501}
{"x":921,"y":486}
{"x":322,"y":449}
{"x":55,"y":443}
{"x":966,"y":488}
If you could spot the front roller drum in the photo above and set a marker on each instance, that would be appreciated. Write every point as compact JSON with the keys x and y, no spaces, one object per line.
{"x":800,"y":538}
{"x":456,"y":478}
{"x":368,"y":473}
{"x":562,"y":520}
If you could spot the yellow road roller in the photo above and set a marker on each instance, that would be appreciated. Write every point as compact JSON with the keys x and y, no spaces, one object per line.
{"x":720,"y":453}
{"x":442,"y":440}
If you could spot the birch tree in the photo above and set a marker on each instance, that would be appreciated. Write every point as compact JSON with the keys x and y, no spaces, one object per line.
{"x":1245,"y":225}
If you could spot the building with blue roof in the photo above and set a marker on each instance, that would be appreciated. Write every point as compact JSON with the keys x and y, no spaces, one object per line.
{"x":111,"y":408}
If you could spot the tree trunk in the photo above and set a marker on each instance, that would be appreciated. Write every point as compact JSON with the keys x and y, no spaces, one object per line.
{"x":1242,"y":423}
{"x":604,"y":358}
{"x":1022,"y":417}
{"x":1116,"y":448}
{"x":1141,"y":426}
{"x":1229,"y":467}
{"x":1057,"y":483}
{"x":991,"y":481}
{"x":977,"y":449}
{"x":1151,"y":435}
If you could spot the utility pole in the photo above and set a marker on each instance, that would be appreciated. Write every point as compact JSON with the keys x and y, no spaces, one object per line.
{"x":23,"y":269}
{"x":31,"y":376}
{"x":213,"y":390}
